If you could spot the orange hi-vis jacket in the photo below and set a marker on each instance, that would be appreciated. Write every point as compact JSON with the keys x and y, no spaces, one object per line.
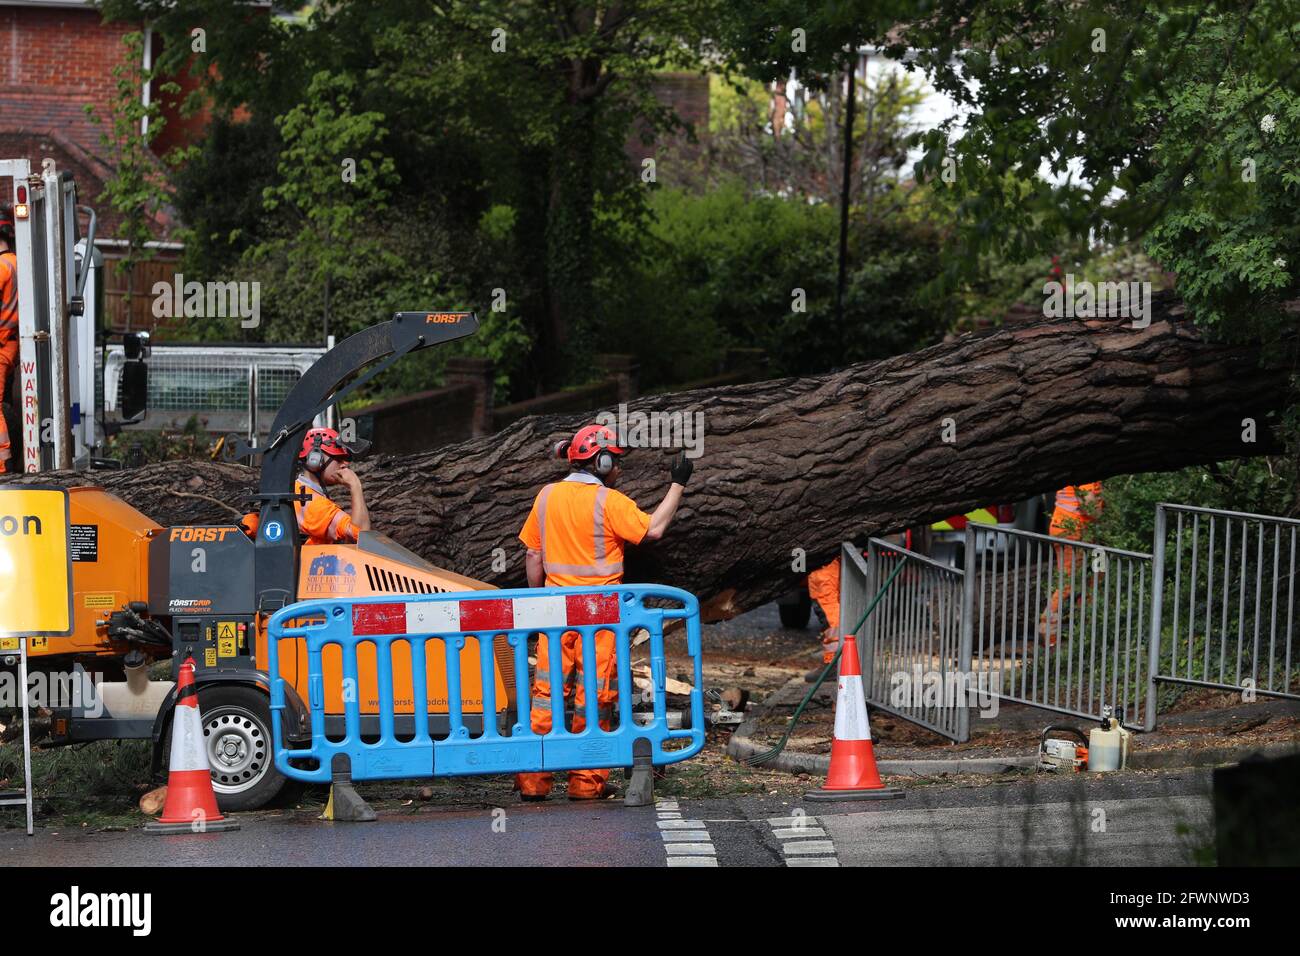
{"x":580,"y":527}
{"x":8,"y":298}
{"x":8,"y":340}
{"x":1070,"y":497}
{"x":320,"y":520}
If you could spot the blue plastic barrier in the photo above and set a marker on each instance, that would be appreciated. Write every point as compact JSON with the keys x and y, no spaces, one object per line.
{"x":415,"y":620}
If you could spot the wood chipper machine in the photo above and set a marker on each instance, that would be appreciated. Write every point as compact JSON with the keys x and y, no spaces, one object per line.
{"x":143,"y":593}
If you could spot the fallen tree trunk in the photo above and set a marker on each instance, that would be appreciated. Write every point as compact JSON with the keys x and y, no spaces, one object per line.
{"x":795,"y":466}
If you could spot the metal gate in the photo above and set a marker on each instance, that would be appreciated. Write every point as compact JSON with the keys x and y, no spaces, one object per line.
{"x":1060,"y":624}
{"x":916,"y":647}
{"x":1074,"y":628}
{"x":1048,"y":622}
{"x":1223,"y":610}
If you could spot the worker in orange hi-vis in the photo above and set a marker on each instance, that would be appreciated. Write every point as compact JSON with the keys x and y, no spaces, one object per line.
{"x":824,"y":588}
{"x":575,"y":536}
{"x":324,"y":458}
{"x":1077,"y":506}
{"x":8,"y":320}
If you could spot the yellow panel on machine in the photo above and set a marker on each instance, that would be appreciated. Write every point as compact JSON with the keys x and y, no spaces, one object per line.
{"x":110,"y":569}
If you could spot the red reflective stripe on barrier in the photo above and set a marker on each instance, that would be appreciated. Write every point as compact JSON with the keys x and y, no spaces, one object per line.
{"x":379,"y":619}
{"x":591,"y":608}
{"x":486,"y":615}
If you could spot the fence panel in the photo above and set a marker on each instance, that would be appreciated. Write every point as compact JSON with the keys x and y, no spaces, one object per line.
{"x":407,"y":625}
{"x":915,"y":663}
{"x":1225,"y":596}
{"x":1061,"y":624}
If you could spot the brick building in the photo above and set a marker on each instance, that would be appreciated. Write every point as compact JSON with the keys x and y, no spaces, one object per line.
{"x":59,"y":59}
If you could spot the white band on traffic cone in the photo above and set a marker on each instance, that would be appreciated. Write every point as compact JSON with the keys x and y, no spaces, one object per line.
{"x":188,"y":750}
{"x":851,"y":710}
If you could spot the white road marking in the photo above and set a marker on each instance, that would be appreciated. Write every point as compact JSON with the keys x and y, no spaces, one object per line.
{"x":802,"y":821}
{"x":812,"y":861}
{"x":797,"y":847}
{"x":797,"y":832}
{"x":686,"y":842}
{"x":807,"y":847}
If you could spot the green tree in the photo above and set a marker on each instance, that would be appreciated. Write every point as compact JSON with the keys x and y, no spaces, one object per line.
{"x":335,"y":177}
{"x":137,"y":189}
{"x":1148,"y":114}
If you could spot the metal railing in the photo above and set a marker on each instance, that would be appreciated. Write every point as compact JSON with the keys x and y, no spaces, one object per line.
{"x":1223,"y":610}
{"x":1061,"y":624}
{"x":916,"y":647}
{"x":1074,"y":628}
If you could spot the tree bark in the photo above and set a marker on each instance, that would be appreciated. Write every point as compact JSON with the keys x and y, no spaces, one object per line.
{"x":802,"y":464}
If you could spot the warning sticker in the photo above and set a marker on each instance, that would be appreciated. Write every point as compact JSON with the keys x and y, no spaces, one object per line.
{"x":83,"y":542}
{"x":209,"y":657}
{"x":38,"y":643}
{"x":226,"y":638}
{"x":99,"y":599}
{"x":9,"y":643}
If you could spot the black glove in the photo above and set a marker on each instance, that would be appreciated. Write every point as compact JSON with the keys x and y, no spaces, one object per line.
{"x":682,"y":469}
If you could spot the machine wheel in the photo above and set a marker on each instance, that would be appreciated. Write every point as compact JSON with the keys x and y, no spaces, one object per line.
{"x":795,"y":612}
{"x":237,"y":733}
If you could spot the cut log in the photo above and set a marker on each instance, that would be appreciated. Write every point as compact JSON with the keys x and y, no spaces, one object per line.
{"x":793,"y":467}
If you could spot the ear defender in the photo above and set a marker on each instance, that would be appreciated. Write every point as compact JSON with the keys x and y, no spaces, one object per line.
{"x":603,"y":464}
{"x":316,"y":460}
{"x":561,"y":448}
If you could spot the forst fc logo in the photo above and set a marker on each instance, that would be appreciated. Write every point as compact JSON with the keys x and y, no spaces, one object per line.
{"x":201,"y":534}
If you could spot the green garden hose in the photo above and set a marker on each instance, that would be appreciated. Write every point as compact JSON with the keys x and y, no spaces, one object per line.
{"x":830,"y":666}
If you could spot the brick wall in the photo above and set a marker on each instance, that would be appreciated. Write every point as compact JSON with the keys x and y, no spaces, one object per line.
{"x":688,"y":95}
{"x":419,"y":422}
{"x":56,"y":62}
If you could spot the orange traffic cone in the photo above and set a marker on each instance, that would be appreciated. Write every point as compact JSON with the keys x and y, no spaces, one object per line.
{"x":853,"y":774}
{"x":191,"y":805}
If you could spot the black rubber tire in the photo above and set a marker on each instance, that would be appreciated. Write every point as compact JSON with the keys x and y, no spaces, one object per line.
{"x":795,"y":615}
{"x":254,"y":707}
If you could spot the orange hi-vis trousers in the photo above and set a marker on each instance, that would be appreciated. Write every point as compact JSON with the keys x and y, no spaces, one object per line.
{"x":8,"y":360}
{"x":1069,"y":526}
{"x":583,"y":784}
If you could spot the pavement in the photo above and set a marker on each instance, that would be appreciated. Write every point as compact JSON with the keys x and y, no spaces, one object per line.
{"x":1211,"y":729}
{"x":1123,"y":819}
{"x":975,"y":804}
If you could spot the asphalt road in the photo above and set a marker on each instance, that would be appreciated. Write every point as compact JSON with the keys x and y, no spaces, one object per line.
{"x":1127,"y":819}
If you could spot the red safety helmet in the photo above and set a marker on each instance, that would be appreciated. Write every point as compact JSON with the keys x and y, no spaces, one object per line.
{"x":319,"y":445}
{"x":594,"y":446}
{"x":590,"y":441}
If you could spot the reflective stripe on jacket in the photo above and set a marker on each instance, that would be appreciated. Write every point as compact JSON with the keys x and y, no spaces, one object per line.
{"x":320,"y":520}
{"x":1069,"y":498}
{"x":580,"y":526}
